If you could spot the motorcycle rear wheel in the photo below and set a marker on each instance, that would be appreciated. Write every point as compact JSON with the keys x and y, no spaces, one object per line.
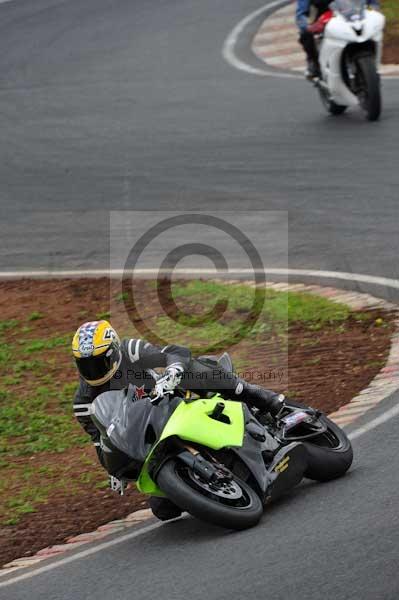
{"x":188,"y":492}
{"x":330,"y":454}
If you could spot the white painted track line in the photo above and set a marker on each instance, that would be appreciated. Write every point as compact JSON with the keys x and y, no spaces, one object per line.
{"x":82,"y":554}
{"x":390,"y":414}
{"x":229,"y":46}
{"x":153,"y":272}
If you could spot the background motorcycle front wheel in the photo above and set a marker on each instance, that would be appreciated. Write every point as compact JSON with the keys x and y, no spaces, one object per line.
{"x":368,"y":86}
{"x":234,"y":506}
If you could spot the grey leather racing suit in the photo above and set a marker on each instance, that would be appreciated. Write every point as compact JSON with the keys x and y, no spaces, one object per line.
{"x":200,"y":375}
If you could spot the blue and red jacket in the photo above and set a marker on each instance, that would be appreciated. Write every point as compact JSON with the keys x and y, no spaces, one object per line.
{"x":303,"y":9}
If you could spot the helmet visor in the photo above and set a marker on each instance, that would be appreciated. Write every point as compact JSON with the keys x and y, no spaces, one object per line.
{"x":95,"y":368}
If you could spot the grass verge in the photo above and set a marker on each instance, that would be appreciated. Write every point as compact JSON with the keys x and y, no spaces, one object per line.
{"x":390,"y":9}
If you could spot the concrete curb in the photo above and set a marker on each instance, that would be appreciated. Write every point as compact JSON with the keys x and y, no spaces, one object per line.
{"x":276,"y":44}
{"x":78,"y":540}
{"x":382,"y":386}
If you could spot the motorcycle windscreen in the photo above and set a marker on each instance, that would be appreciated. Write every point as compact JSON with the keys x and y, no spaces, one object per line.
{"x":350,"y":9}
{"x":131,"y":426}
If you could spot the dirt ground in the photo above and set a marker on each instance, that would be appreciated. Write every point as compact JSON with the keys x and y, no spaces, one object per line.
{"x":391,"y":51}
{"x":327,"y":367}
{"x":68,"y":512}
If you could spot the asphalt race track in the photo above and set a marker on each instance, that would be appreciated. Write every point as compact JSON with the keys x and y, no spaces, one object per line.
{"x":120,"y":105}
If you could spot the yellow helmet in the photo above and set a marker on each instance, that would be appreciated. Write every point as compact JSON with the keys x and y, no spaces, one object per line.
{"x":97,"y":351}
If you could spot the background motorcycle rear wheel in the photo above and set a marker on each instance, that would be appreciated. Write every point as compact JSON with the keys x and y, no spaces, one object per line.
{"x":332,"y":107}
{"x":188,"y":492}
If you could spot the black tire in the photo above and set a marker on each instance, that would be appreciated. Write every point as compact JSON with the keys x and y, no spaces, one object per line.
{"x":172,"y":481}
{"x":330,"y":455}
{"x":369,"y":86}
{"x":328,"y":462}
{"x":332,"y":107}
{"x":336,"y":109}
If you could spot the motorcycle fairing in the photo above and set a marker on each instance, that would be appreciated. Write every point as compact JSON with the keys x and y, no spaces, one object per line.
{"x":250,"y":453}
{"x":217,"y":435}
{"x":193,"y":422}
{"x":137,"y":429}
{"x":338,"y":34}
{"x":131,"y":427}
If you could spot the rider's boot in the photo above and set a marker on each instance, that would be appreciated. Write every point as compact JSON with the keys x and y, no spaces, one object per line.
{"x":307,"y":41}
{"x":312,"y":70}
{"x":286,"y":469}
{"x":264,"y":400}
{"x":164,"y":509}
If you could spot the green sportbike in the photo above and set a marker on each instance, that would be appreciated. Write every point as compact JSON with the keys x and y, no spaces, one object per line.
{"x":219,"y":460}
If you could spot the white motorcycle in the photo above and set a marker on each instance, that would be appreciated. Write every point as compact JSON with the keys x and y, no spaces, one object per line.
{"x":349,"y":55}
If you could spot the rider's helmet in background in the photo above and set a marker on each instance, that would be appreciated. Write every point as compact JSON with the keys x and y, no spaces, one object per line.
{"x":97,"y":351}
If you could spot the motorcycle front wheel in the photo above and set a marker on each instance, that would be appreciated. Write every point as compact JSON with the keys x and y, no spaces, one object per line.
{"x":234,"y":504}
